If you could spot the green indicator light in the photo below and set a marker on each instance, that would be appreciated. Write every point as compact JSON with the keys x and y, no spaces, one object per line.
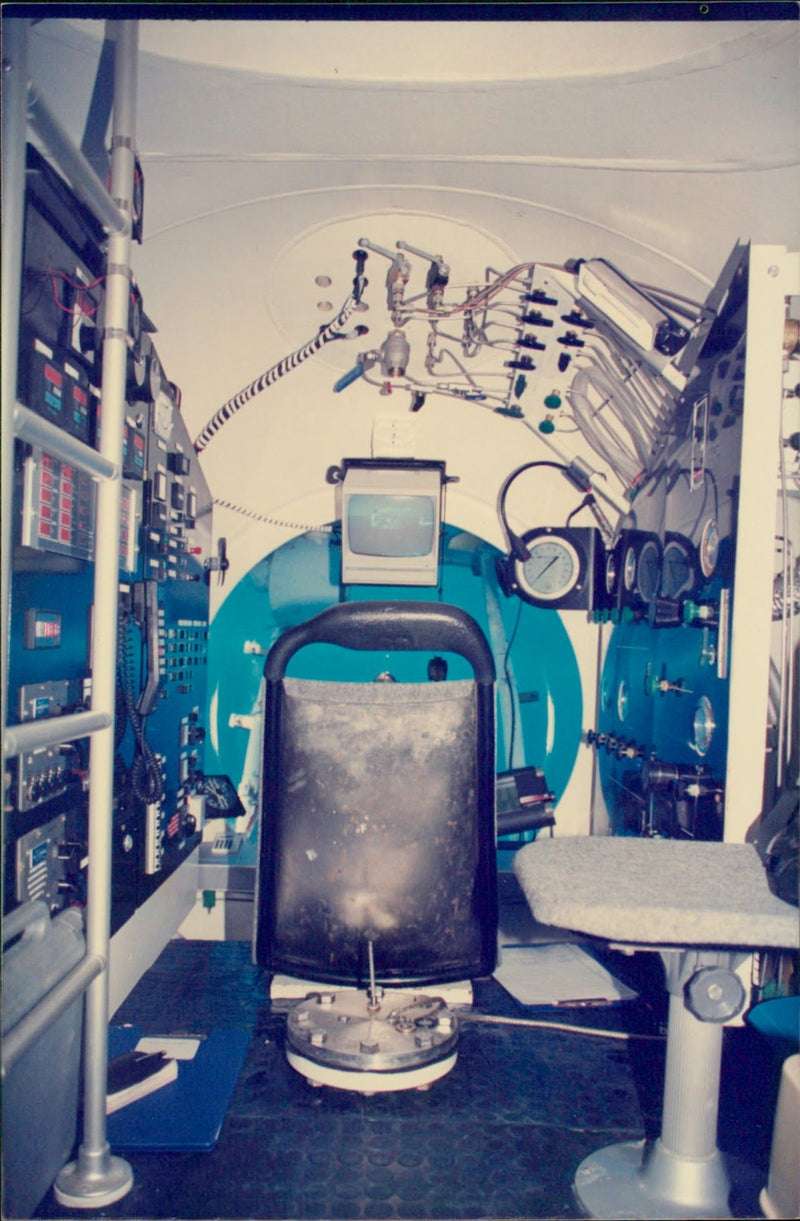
{"x":547,"y":426}
{"x":553,"y":402}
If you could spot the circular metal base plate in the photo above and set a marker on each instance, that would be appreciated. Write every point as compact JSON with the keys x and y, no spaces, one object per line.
{"x":620,"y":1182}
{"x":337,"y":1038}
{"x":75,"y":1188}
{"x":365,"y":1082}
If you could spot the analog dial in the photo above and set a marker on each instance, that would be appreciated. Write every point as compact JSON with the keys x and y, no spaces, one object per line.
{"x":552,"y":569}
{"x":709,"y":547}
{"x":611,"y":572}
{"x":678,"y":569}
{"x":703,"y":725}
{"x":629,"y":568}
{"x":163,"y":420}
{"x":622,"y":700}
{"x":648,"y":571}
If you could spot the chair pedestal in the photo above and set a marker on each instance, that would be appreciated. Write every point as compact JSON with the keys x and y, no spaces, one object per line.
{"x":663,"y":895}
{"x":682,"y":1174}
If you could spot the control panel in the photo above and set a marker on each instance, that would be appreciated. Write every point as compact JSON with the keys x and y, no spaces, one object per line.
{"x":661,"y":734}
{"x":164,"y":549}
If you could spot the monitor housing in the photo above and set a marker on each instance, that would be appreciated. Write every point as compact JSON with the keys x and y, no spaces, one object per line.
{"x":391,"y":515}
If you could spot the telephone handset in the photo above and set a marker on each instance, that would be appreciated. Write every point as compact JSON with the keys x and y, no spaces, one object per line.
{"x":146,"y":611}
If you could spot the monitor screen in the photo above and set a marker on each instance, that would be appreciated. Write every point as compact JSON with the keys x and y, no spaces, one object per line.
{"x":391,"y":526}
{"x":391,"y":513}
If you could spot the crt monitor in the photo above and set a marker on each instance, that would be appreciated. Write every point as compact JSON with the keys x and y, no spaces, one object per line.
{"x":391,"y":512}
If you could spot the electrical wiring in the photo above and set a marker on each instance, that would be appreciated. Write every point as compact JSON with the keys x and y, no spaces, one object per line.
{"x":327,"y":333}
{"x":270,"y":521}
{"x":512,"y":731}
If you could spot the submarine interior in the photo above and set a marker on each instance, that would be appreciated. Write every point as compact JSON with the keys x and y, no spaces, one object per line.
{"x":401,"y":589}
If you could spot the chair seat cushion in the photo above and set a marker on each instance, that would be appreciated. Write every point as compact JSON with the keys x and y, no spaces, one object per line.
{"x":655,"y":892}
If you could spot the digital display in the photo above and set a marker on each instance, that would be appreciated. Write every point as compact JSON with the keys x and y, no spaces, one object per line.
{"x":42,"y":629}
{"x":391,"y":526}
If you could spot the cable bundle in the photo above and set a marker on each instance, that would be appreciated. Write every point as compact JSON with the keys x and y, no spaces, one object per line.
{"x":272,"y":375}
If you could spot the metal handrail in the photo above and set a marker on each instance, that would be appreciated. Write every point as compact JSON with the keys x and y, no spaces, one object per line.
{"x":29,"y":426}
{"x":95,"y":1178}
{"x":51,"y":731}
{"x":28,"y":1029}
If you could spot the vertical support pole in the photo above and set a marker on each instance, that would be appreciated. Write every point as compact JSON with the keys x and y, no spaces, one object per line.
{"x":15,"y":90}
{"x":97,"y":1178}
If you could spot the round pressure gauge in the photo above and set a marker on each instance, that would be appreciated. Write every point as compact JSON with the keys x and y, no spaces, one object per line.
{"x":552,"y":569}
{"x":622,"y":700}
{"x":678,"y":567}
{"x":163,"y":420}
{"x":648,"y":570}
{"x":709,"y":547}
{"x":555,"y":573}
{"x":611,"y":572}
{"x":703,"y":725}
{"x":154,"y":376}
{"x":641,"y":566}
{"x":629,"y":568}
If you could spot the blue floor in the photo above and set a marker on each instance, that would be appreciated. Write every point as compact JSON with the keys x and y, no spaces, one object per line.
{"x":500,"y":1136}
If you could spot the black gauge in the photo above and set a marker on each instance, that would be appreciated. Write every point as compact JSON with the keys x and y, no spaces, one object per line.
{"x":136,"y":375}
{"x":154,"y":375}
{"x":629,"y":567}
{"x":678,"y":567}
{"x":559,"y":572}
{"x":611,"y":572}
{"x":648,"y":570}
{"x":640,"y":567}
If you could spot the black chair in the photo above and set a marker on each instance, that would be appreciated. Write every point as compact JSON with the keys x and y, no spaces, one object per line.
{"x":377,"y":840}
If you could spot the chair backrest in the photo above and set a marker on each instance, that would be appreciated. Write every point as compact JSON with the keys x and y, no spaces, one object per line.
{"x":377,"y":807}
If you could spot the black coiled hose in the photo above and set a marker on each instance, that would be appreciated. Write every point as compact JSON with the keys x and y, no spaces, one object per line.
{"x":146,"y":781}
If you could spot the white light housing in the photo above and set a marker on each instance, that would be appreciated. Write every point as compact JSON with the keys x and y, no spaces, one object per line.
{"x":606,"y":291}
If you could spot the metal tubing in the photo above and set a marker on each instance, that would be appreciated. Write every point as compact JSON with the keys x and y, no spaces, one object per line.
{"x":29,"y":426}
{"x":14,"y":78}
{"x":104,"y":650}
{"x":52,"y":730}
{"x":26,"y":1032}
{"x":72,"y":163}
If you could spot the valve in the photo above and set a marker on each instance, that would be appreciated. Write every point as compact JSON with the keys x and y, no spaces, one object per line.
{"x":395,"y":352}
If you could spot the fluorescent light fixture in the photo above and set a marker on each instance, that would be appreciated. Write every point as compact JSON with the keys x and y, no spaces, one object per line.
{"x":605,"y":290}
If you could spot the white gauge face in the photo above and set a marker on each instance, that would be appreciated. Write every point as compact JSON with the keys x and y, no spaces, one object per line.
{"x":703,"y":725}
{"x":163,"y":420}
{"x":709,"y":547}
{"x":629,"y":568}
{"x":611,"y":573}
{"x":622,"y":700}
{"x":552,"y":569}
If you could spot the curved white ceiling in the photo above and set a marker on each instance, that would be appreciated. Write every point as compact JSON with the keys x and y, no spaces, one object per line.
{"x":436,"y":52}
